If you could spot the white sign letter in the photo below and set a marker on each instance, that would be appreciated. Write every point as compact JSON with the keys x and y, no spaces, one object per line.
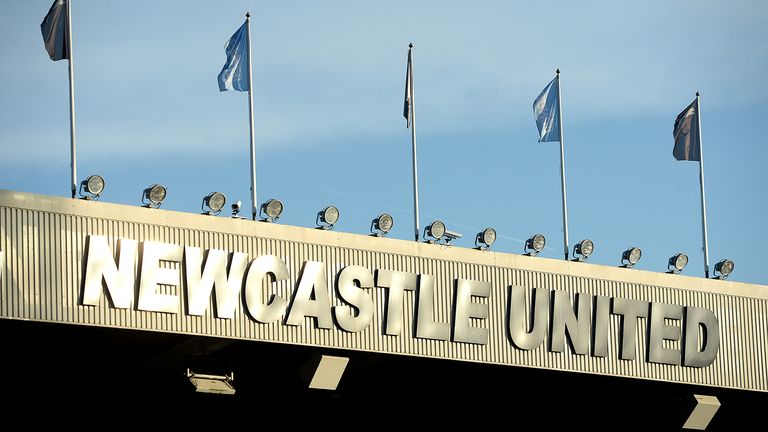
{"x":261,"y":311}
{"x":463,"y":331}
{"x":201,"y":283}
{"x":357,"y":316}
{"x":118,"y":278}
{"x":153,"y":275}
{"x":312,"y":280}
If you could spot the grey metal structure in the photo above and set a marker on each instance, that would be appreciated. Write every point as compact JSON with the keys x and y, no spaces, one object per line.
{"x":374,"y":287}
{"x":562,"y":164}
{"x":704,"y":238}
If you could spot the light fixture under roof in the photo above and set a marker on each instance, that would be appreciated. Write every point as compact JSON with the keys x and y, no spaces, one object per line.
{"x":327,"y":217}
{"x":382,"y":225}
{"x":154,"y":196}
{"x":271,"y":210}
{"x":93,"y":186}
{"x":535,"y":244}
{"x":324,"y":372}
{"x":215,"y":201}
{"x":216,"y":384}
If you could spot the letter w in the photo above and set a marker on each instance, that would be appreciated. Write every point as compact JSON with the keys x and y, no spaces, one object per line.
{"x":201,"y":281}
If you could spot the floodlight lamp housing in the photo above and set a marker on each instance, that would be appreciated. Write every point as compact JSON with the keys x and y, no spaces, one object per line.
{"x":381,"y":226}
{"x":724,"y":268}
{"x":534,"y":245}
{"x":677,"y":263}
{"x":93,"y":186}
{"x":485,"y":238}
{"x":271,"y":210}
{"x":154,"y":196}
{"x":434,"y":231}
{"x":630,"y":257}
{"x":583,"y":250}
{"x":214,"y":201}
{"x":327,"y":217}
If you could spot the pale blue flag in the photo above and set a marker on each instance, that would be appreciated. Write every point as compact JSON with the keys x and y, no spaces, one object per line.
{"x":547,"y":113}
{"x":234,"y":74}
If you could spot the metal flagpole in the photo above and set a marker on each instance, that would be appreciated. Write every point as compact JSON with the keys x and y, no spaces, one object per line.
{"x":701,"y":183}
{"x":413,"y":145}
{"x":562,"y":164}
{"x":73,"y":147}
{"x":250,"y":117}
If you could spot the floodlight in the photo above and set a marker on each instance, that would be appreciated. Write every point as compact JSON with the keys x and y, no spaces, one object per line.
{"x":93,"y":186}
{"x":631,"y":256}
{"x":382,"y":224}
{"x":583,"y":250}
{"x":534,"y":245}
{"x":435,"y":230}
{"x":485,"y":238}
{"x":725,"y":268}
{"x":217,"y":384}
{"x":271,"y":210}
{"x":215,"y":202}
{"x":677,"y":263}
{"x":327,"y":217}
{"x":154,"y":196}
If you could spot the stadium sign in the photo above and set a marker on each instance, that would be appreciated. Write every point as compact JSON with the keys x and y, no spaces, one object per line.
{"x":170,"y":278}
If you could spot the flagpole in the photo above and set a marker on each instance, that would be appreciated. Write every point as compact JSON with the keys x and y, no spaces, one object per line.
{"x":73,"y":147}
{"x":562,"y":165}
{"x":413,"y":146}
{"x":701,"y":183}
{"x":250,"y":117}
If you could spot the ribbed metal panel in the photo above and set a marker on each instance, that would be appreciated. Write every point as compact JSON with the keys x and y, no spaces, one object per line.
{"x":43,"y":240}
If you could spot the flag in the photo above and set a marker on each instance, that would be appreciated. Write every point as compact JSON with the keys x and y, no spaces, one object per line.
{"x":686,"y":133}
{"x":55,"y":29}
{"x":407,"y":103}
{"x":547,"y":113}
{"x":234,"y":74}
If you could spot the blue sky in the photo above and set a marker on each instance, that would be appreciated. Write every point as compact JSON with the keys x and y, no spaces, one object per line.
{"x":328,"y":95}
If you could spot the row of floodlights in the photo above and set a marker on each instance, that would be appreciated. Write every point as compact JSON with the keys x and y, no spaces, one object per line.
{"x":581,"y":251}
{"x":270,"y":211}
{"x":436,"y":232}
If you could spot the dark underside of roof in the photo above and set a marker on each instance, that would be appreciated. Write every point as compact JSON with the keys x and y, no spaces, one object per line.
{"x":97,"y":378}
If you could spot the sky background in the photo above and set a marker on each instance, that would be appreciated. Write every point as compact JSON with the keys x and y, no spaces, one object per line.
{"x":328,"y":99}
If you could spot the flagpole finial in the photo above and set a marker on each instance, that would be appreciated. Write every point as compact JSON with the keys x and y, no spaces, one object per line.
{"x":697,"y":94}
{"x":247,"y":15}
{"x":410,"y":45}
{"x":557,"y":71}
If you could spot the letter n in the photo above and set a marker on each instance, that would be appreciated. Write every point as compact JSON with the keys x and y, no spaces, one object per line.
{"x":118,"y":275}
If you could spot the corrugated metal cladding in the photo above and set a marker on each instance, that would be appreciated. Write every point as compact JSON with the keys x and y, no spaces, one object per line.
{"x":42,"y":241}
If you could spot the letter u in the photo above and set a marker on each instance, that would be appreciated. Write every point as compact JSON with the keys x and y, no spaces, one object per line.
{"x":527,"y":329}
